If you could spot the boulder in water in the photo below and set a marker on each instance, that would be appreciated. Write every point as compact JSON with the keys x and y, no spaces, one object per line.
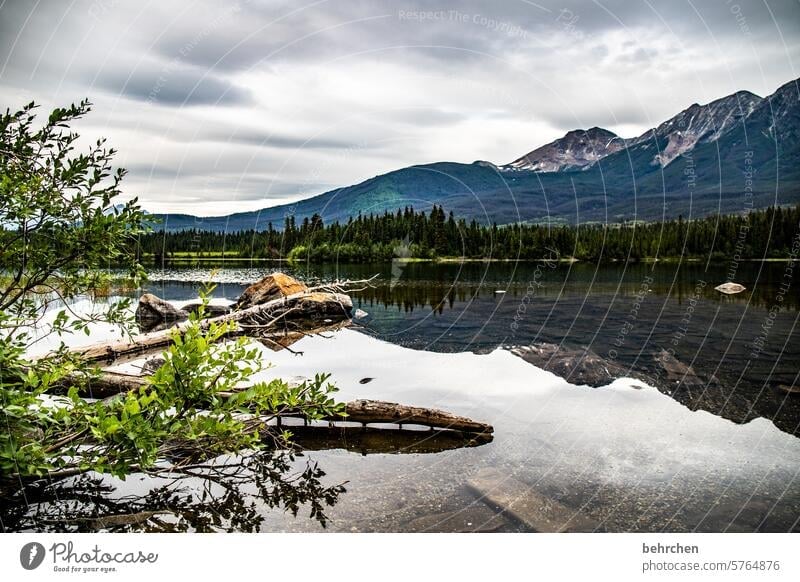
{"x":152,"y":310}
{"x":730,"y":288}
{"x":322,"y":306}
{"x":272,"y":286}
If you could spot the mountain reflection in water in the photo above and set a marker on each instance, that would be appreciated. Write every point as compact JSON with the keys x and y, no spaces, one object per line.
{"x":624,"y":456}
{"x":743,"y":350}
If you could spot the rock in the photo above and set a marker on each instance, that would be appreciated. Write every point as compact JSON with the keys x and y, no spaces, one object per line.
{"x":152,"y":310}
{"x":473,"y":518}
{"x":673,"y":372}
{"x":730,"y":288}
{"x":272,"y":286}
{"x":322,"y":306}
{"x":698,"y":391}
{"x":578,"y":366}
{"x":361,"y":316}
{"x":523,"y":504}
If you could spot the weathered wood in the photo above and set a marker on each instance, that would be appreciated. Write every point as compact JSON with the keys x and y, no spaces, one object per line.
{"x":109,"y":384}
{"x":521,"y":503}
{"x":377,"y":411}
{"x":110,"y":351}
{"x":105,"y":385}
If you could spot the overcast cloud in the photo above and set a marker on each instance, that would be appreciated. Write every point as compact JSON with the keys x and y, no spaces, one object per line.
{"x":223,"y":106}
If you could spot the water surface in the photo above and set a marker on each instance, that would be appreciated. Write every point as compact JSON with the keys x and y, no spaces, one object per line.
{"x":635,"y":455}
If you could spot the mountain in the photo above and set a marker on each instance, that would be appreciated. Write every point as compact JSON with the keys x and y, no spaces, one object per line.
{"x":417,"y":186}
{"x":731,"y":155}
{"x":697,"y":125}
{"x":578,"y":149}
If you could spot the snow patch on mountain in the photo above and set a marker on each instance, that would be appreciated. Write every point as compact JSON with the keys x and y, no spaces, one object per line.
{"x":577,"y":150}
{"x":698,"y":124}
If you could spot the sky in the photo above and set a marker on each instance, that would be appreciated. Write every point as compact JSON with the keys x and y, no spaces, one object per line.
{"x":220,"y":107}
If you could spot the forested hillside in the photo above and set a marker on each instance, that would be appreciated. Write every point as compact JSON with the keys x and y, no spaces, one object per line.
{"x":770,"y":233}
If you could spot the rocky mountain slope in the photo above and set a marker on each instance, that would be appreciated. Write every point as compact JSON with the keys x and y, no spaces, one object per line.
{"x":731,"y":155}
{"x":578,"y":149}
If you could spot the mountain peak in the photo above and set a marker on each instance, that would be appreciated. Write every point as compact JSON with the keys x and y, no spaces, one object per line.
{"x":577,"y":150}
{"x":698,"y":124}
{"x":778,"y":116}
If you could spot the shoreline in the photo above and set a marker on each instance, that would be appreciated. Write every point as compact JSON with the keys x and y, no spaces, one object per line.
{"x":456,"y":260}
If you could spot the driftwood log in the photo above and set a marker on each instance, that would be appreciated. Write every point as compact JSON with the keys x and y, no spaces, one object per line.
{"x":377,"y":411}
{"x":262,"y":321}
{"x":110,"y":384}
{"x":336,"y":305}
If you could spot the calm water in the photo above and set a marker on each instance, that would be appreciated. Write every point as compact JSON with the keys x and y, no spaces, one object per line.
{"x":638,"y":454}
{"x":743,"y":346}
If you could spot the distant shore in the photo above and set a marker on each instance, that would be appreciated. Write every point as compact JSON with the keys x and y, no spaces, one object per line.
{"x":232,"y":258}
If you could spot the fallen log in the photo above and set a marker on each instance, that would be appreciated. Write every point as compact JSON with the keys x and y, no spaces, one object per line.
{"x":335,"y":305}
{"x":105,"y":385}
{"x":109,"y":384}
{"x":378,"y":411}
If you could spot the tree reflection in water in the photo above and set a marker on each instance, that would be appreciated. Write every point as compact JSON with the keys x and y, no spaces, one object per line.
{"x":222,"y":495}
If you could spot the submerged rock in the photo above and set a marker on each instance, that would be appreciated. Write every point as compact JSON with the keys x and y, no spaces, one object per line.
{"x":698,"y":391}
{"x":153,"y":310}
{"x":525,"y":505}
{"x":578,"y":366}
{"x":675,"y":373}
{"x":273,"y":286}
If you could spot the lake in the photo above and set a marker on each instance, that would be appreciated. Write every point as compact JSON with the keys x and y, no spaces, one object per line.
{"x":705,"y":443}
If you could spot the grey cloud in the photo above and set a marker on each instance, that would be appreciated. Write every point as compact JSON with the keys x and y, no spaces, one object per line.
{"x":425,"y":116}
{"x":173,"y":86}
{"x":485,"y":69}
{"x":622,"y":114}
{"x":639,"y":56}
{"x":266,"y":139}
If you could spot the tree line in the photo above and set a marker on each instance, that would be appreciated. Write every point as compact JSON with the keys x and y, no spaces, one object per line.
{"x":407,"y":233}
